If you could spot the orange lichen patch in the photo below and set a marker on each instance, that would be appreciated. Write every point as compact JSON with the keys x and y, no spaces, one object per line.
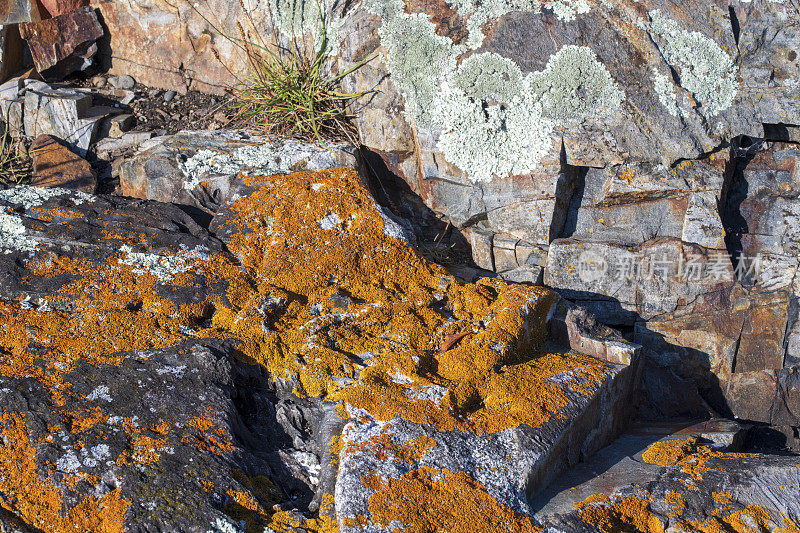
{"x":675,"y":502}
{"x":613,"y":514}
{"x":386,"y":448}
{"x":207,"y":436}
{"x":751,"y":518}
{"x":147,"y":450}
{"x":692,"y":457}
{"x":425,"y":500}
{"x":37,"y":501}
{"x":722,"y":498}
{"x":50,"y":214}
{"x":78,"y":421}
{"x":289,"y":522}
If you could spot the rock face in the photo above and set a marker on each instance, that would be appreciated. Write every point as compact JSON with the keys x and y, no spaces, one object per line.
{"x":201,"y":169}
{"x":55,"y":165}
{"x":154,"y":374}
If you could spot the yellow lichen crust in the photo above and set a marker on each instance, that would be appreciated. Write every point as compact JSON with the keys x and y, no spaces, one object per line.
{"x":612,"y":514}
{"x":318,"y":287}
{"x":426,"y":499}
{"x":38,"y":502}
{"x":692,"y":457}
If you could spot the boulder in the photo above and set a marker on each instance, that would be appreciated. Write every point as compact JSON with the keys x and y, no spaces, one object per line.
{"x":63,"y":44}
{"x":691,"y":479}
{"x":64,"y":113}
{"x":63,"y":7}
{"x":192,"y":380}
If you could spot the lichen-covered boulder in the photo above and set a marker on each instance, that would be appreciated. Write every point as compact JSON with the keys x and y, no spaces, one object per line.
{"x":156,"y":376}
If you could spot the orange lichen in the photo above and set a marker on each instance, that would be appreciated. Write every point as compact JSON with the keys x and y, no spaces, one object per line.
{"x":613,"y":514}
{"x":693,"y":458}
{"x":37,"y":501}
{"x":675,"y":501}
{"x":426,"y":499}
{"x":751,"y":518}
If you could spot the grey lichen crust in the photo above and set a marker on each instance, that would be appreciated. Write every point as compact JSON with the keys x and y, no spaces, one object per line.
{"x":704,"y":68}
{"x":489,"y":119}
{"x":311,"y":18}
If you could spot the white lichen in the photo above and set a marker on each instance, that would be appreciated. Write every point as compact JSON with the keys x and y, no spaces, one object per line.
{"x":27,"y":196}
{"x":487,"y":117}
{"x":163,"y":267}
{"x":269,"y":158}
{"x":13,"y":237}
{"x":702,"y":65}
{"x":665,"y":90}
{"x":574,"y":85}
{"x":296,"y":19}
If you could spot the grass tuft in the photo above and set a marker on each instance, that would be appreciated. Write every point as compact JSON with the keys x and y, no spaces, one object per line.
{"x":15,"y":161}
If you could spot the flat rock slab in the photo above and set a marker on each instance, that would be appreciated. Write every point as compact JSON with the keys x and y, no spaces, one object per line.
{"x":55,"y":165}
{"x":200,"y":168}
{"x":16,"y":11}
{"x":697,"y":487}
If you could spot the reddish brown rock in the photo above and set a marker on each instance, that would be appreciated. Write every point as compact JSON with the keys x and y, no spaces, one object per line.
{"x":62,"y":7}
{"x":63,"y":44}
{"x":55,"y":165}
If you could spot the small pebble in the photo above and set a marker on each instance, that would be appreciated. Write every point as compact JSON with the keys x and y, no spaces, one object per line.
{"x":169,"y":96}
{"x":122,"y":82}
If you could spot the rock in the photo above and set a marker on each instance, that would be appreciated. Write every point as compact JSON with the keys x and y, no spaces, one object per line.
{"x":63,"y":44}
{"x":64,"y":114}
{"x":169,"y":96}
{"x":769,"y":396}
{"x":674,"y":483}
{"x":12,"y":116}
{"x":200,"y":168}
{"x":122,"y":82}
{"x":619,"y":282}
{"x":111,"y":147}
{"x":54,"y":165}
{"x":63,"y":7}
{"x":16,"y":11}
{"x":116,"y":126}
{"x":10,"y":51}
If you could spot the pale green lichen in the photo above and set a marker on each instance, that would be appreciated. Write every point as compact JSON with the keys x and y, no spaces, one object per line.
{"x":489,"y":119}
{"x":417,"y":58}
{"x":489,"y":76}
{"x":704,"y":68}
{"x":301,"y":18}
{"x":665,"y":90}
{"x":575,"y":84}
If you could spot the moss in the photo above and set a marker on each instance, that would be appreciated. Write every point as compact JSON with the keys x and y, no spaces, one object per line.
{"x":704,"y":68}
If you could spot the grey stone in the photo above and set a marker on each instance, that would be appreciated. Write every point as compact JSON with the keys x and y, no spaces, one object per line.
{"x":62,"y":113}
{"x":122,"y":82}
{"x":169,"y":96}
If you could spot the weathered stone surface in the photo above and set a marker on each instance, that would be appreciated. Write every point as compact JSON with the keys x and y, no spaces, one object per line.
{"x":63,"y":44}
{"x":686,"y":481}
{"x":63,"y":7}
{"x":201,"y":168}
{"x":16,"y":11}
{"x":10,"y":51}
{"x":65,"y":114}
{"x":123,"y":318}
{"x":55,"y":165}
{"x":769,"y":396}
{"x":616,"y":281}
